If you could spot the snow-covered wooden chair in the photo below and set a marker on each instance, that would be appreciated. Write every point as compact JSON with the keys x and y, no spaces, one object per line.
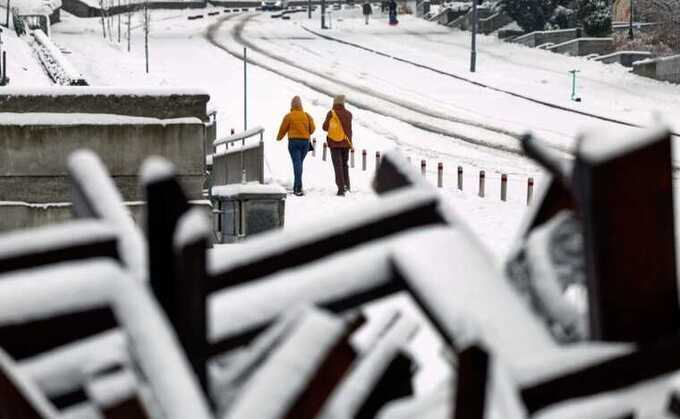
{"x":94,"y":195}
{"x":19,"y":397}
{"x":75,"y":328}
{"x":307,"y":359}
{"x":69,"y":241}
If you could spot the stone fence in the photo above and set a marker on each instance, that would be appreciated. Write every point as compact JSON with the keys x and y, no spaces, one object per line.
{"x":153,"y":103}
{"x":584,"y":46}
{"x":663,"y":69}
{"x":537,"y":38}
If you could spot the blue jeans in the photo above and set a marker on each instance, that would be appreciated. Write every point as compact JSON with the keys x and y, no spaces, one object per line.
{"x":298,"y":150}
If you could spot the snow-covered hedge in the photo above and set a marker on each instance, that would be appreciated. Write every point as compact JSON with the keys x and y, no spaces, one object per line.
{"x":58,"y":67}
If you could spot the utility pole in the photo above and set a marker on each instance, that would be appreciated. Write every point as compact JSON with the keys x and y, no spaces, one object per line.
{"x":473,"y":52}
{"x":323,"y":14}
{"x":119,"y":11}
{"x":129,"y":16}
{"x":245,"y":89}
{"x":309,"y":9}
{"x":7,"y":14}
{"x":630,"y":23}
{"x":147,"y":23}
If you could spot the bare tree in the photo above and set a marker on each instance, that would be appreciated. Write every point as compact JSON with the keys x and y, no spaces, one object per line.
{"x":666,"y":14}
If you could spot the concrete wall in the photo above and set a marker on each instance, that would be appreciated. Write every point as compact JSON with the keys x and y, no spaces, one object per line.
{"x":81,"y":9}
{"x":20,"y":215}
{"x":33,"y":157}
{"x":494,"y":22}
{"x":155,"y":103}
{"x":537,"y":38}
{"x":625,"y":58}
{"x":663,"y":69}
{"x":584,"y":46}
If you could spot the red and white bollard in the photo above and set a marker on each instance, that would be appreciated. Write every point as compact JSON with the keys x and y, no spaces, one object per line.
{"x":460,"y":178}
{"x":351,"y":157}
{"x":482,"y":177}
{"x":423,"y":167}
{"x":313,"y":147}
{"x":440,"y":174}
{"x":530,"y":190}
{"x":363,"y":160}
{"x":504,"y":187}
{"x":325,"y":150}
{"x":377,"y":160}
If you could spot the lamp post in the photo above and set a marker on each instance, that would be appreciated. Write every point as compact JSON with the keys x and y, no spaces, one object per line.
{"x":473,"y":52}
{"x":630,"y":23}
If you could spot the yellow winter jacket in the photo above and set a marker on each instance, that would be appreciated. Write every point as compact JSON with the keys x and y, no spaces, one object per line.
{"x":298,"y":124}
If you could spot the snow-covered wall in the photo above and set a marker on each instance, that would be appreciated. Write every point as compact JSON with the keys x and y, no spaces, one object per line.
{"x":34,"y":168}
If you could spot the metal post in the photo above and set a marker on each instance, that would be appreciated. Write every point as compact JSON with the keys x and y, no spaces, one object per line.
{"x":481,"y":183}
{"x":530,"y":190}
{"x":630,"y":22}
{"x":119,"y":21}
{"x":245,"y":89}
{"x":309,"y":9}
{"x":363,"y":160}
{"x":460,"y":178}
{"x":504,"y":187}
{"x":325,"y":151}
{"x":440,"y":174}
{"x":323,"y":14}
{"x":423,"y":167}
{"x":351,"y":158}
{"x":313,"y":147}
{"x":4,"y":66}
{"x":129,"y":16}
{"x":7,"y":14}
{"x":473,"y":52}
{"x":377,"y":160}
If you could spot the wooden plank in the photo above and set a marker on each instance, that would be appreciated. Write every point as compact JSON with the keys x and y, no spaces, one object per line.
{"x":647,"y":363}
{"x":626,"y":201}
{"x":471,"y":383}
{"x":34,"y":337}
{"x":329,"y":374}
{"x":422,"y":215}
{"x":191,"y":318}
{"x":14,"y":404}
{"x":338,"y":306}
{"x":166,"y":203}
{"x":395,"y":383}
{"x":63,"y":253}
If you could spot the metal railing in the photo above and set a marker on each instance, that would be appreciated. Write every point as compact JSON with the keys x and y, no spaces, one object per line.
{"x":250,"y":158}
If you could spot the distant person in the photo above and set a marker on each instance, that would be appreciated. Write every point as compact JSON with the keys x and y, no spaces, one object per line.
{"x":392,"y":6}
{"x":299,"y":126}
{"x":338,"y":125}
{"x":368,"y":10}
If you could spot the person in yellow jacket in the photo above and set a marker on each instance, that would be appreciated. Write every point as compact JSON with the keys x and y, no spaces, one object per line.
{"x":299,"y":126}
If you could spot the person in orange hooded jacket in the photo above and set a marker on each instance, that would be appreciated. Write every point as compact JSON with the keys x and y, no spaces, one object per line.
{"x":299,"y":126}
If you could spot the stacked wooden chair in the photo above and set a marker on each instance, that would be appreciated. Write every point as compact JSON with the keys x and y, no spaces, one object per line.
{"x":98,"y":319}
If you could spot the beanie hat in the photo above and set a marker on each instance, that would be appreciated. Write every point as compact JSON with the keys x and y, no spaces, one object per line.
{"x":296,"y":102}
{"x":339,"y":100}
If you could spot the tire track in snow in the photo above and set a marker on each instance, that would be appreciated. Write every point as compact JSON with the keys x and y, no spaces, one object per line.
{"x":479,"y":84}
{"x":512,"y":147}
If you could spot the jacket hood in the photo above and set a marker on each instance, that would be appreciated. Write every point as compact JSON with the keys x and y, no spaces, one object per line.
{"x":296,"y":104}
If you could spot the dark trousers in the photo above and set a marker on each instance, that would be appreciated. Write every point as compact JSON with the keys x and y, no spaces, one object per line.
{"x":298,"y":150}
{"x":340,"y":157}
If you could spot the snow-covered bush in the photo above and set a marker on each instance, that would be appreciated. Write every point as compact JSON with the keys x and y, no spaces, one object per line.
{"x":666,"y":14}
{"x":595,"y":16}
{"x":534,"y":15}
{"x":562,"y":18}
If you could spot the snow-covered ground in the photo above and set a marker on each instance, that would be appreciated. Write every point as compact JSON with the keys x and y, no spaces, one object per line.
{"x":180,"y":55}
{"x":23,"y":67}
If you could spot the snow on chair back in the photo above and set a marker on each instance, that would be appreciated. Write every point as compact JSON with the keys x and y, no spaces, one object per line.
{"x":273,"y":252}
{"x":209,"y":324}
{"x":19,"y":399}
{"x":94,"y":296}
{"x":300,"y":372}
{"x":624,"y":189}
{"x":394,"y":172}
{"x":70,"y":241}
{"x":96,"y":196}
{"x":381,"y":375}
{"x":620,"y":372}
{"x":117,"y":396}
{"x":165,"y":204}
